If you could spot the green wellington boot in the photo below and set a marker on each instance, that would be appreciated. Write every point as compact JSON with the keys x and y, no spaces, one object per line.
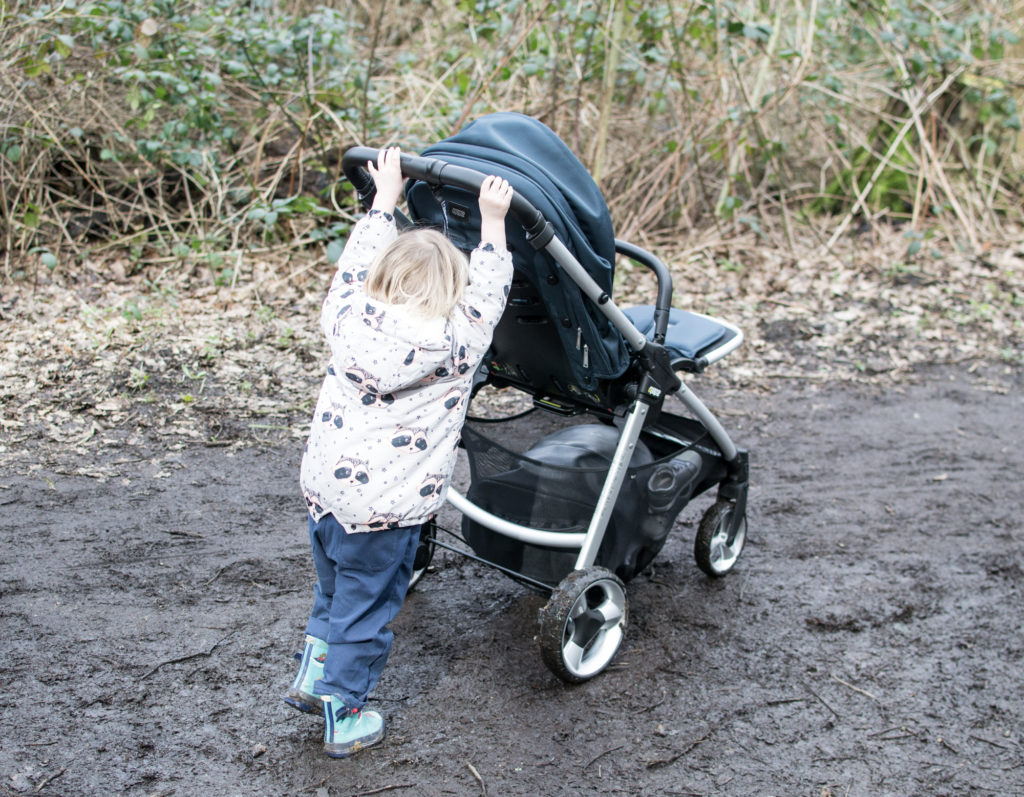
{"x":311,"y":668}
{"x":349,"y":730}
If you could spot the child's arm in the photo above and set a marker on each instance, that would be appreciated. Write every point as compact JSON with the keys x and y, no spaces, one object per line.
{"x":372,"y":233}
{"x":490,"y":272}
{"x":387,"y":176}
{"x":377,"y":229}
{"x":495,"y":198}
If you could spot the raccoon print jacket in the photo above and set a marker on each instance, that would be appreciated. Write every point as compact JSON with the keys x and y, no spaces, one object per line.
{"x":384,"y":435}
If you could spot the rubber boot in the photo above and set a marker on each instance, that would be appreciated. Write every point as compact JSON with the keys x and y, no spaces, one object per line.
{"x":349,"y":730}
{"x":311,"y":668}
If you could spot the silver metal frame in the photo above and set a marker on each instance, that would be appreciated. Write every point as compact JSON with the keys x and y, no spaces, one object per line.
{"x":710,"y":422}
{"x":726,"y":348}
{"x":612,"y":484}
{"x":552,"y":539}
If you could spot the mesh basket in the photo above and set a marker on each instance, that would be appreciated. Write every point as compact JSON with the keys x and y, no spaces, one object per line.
{"x":554,"y":486}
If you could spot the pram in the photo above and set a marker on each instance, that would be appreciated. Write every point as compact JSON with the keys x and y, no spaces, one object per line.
{"x":589,"y":506}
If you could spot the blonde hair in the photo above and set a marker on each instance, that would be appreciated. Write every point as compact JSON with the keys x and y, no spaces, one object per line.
{"x":422,"y":269}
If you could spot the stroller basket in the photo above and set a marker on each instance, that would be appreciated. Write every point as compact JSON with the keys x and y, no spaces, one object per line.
{"x":555,"y":486}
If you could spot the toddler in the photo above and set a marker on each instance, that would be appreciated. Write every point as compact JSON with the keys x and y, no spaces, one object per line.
{"x":408,"y":318}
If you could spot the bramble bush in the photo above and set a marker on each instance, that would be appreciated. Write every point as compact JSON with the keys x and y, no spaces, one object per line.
{"x":191,"y":133}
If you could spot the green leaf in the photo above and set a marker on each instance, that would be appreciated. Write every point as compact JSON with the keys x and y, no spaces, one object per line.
{"x":64,"y":44}
{"x":37,"y":67}
{"x":757,"y":32}
{"x":334,"y":250}
{"x":200,"y":23}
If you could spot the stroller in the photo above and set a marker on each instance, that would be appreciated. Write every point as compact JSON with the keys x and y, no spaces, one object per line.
{"x":587,"y":507}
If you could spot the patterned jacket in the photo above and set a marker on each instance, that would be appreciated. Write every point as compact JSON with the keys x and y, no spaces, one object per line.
{"x":383,"y":440}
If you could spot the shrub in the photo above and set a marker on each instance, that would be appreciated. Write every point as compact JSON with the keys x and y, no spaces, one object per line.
{"x":193,"y":131}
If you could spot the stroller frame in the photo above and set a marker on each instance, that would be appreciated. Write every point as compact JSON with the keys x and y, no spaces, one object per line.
{"x":583,"y":622}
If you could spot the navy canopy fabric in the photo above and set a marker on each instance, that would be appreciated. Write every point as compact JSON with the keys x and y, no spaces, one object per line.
{"x":545,"y":171}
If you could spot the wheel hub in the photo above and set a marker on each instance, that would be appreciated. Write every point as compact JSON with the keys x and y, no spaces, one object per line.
{"x":593,"y":629}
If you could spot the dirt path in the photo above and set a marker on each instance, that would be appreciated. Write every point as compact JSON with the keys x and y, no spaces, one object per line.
{"x":869,"y":641}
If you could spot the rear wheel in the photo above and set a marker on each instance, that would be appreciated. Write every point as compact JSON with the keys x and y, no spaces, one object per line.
{"x":582,"y":626}
{"x":714,"y":549}
{"x":424,"y":553}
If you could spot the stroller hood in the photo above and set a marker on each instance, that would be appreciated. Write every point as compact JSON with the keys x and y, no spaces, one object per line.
{"x":544,"y":171}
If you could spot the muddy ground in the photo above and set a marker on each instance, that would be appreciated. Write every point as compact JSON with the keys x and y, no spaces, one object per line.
{"x":868,"y":642}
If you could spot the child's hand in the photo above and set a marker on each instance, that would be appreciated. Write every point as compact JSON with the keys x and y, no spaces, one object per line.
{"x":495,"y":198}
{"x":387,"y":177}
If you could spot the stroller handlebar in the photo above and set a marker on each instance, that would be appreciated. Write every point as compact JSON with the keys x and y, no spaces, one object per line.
{"x":435,"y":172}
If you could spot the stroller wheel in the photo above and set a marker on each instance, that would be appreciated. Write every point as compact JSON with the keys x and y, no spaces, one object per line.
{"x":581,"y":627}
{"x":424,"y":554}
{"x":714,"y":551}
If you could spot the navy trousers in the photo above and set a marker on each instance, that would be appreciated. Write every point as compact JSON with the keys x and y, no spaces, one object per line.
{"x":361,"y":584}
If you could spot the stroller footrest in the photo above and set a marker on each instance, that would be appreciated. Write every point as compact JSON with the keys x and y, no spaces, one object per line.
{"x":693,"y":340}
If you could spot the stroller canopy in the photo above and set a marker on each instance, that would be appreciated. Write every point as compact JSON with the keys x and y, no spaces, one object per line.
{"x":543,"y":170}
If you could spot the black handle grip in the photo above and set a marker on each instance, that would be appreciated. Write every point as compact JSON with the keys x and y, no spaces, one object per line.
{"x":435,"y":172}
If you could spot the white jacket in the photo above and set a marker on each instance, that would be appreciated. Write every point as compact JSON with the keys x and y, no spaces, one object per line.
{"x":383,"y":440}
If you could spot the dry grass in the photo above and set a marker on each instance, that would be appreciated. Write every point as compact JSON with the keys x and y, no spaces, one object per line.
{"x":691,"y":134}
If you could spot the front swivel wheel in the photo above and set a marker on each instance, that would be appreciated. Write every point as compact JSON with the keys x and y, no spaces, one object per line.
{"x":716,"y":549}
{"x":582,"y":626}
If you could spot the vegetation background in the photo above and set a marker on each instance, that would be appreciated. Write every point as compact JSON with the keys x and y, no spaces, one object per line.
{"x":840,"y":177}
